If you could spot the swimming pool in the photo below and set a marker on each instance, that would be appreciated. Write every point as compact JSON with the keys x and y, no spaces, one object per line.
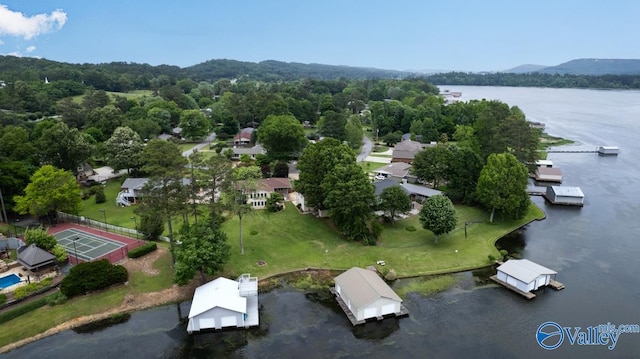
{"x":9,"y":280}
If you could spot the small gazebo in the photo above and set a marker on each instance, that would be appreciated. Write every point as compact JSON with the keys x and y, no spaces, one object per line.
{"x":33,"y":258}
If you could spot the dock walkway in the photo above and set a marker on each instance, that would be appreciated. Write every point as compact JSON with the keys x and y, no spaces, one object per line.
{"x":527,"y":295}
{"x":352,"y":318}
{"x":555,"y":284}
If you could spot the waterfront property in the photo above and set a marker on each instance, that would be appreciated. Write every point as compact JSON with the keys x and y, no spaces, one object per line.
{"x":34,"y":259}
{"x":544,"y":163}
{"x":570,"y":196}
{"x":608,"y":150}
{"x":225,"y":303}
{"x":548,"y":174}
{"x":363,"y":295}
{"x":524,"y":276}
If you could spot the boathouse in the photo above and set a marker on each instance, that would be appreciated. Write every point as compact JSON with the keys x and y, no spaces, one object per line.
{"x":363,"y":295}
{"x":571,"y":196}
{"x":525,"y":275}
{"x":608,"y":150}
{"x":544,"y":163}
{"x":548,"y":174}
{"x":225,"y":303}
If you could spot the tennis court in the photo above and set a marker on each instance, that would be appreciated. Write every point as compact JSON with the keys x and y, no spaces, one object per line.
{"x":87,"y":246}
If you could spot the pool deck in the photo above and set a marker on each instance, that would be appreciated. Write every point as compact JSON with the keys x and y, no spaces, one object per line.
{"x":25,"y":276}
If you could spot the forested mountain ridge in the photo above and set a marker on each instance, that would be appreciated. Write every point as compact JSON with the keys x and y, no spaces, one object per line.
{"x":595,"y":67}
{"x":30,"y":69}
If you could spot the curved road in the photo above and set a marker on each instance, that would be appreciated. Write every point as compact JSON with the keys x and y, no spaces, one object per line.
{"x":200,"y":145}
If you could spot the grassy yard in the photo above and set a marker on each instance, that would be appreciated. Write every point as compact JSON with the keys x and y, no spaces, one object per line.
{"x":48,"y":317}
{"x":288,"y":241}
{"x":119,"y":216}
{"x":371,"y":166}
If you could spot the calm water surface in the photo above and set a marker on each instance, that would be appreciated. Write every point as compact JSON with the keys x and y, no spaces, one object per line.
{"x":595,"y":250}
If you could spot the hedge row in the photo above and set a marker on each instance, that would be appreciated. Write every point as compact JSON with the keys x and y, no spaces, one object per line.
{"x":142,"y":250}
{"x":91,"y":276}
{"x":32,"y":287}
{"x":23,"y":309}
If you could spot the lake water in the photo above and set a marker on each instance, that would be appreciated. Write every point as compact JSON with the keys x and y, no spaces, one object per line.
{"x":595,"y":250}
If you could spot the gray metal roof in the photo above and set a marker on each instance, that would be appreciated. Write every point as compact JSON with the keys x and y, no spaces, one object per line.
{"x":33,"y":257}
{"x":364,"y":286}
{"x":421,"y":190}
{"x":384,"y":184}
{"x":134,"y":183}
{"x":524,"y":270}
{"x":567,"y":191}
{"x":397,"y":169}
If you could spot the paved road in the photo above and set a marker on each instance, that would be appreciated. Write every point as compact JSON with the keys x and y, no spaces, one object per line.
{"x":200,"y":145}
{"x":367,"y":147}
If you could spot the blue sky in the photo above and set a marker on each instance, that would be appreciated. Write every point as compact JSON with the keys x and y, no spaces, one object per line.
{"x":463,"y":35}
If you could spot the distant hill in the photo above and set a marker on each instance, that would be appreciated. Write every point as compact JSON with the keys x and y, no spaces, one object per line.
{"x":525,"y":69}
{"x":595,"y":67}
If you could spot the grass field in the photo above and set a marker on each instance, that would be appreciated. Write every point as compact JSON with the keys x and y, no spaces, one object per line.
{"x":288,"y":240}
{"x":132,"y":94}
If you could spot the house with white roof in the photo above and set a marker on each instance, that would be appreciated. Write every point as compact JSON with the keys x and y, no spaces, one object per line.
{"x":225,"y":303}
{"x":525,"y":275}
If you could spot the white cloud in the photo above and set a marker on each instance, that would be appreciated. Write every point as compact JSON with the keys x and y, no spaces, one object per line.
{"x":31,"y":49}
{"x":15,"y":23}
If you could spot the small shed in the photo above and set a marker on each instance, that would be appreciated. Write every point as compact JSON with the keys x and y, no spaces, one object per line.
{"x":224,"y":303}
{"x":365,"y":295}
{"x":548,"y":174}
{"x":571,"y":196}
{"x":525,"y":275}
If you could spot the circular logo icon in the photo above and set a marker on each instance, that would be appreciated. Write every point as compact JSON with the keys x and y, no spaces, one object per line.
{"x":550,"y":335}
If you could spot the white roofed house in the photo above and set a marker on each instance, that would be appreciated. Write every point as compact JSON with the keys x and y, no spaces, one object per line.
{"x":225,"y":303}
{"x":571,"y":196}
{"x":250,"y":151}
{"x":131,"y":189}
{"x":363,"y":295}
{"x":397,"y":171}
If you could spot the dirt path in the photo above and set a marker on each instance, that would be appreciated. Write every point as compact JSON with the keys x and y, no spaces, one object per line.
{"x":131,"y":302}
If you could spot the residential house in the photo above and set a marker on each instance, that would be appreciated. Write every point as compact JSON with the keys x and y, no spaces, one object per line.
{"x":405,"y":151}
{"x":397,"y":171}
{"x":131,"y":189}
{"x":364,"y":295}
{"x":243,"y":138}
{"x":266,"y":187}
{"x":225,"y":303}
{"x":250,"y":151}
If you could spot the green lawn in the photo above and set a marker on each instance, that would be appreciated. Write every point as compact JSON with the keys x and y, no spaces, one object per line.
{"x":371,"y":166}
{"x":288,"y":241}
{"x":119,"y":216}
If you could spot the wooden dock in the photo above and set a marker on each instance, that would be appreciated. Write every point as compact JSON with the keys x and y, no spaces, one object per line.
{"x":527,"y":295}
{"x":555,"y":284}
{"x":352,"y":318}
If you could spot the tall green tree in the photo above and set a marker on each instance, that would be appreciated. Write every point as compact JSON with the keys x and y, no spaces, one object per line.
{"x":244,"y":183}
{"x":395,"y":201}
{"x":202,"y":249}
{"x":50,"y":190}
{"x":212,"y":175}
{"x":432,"y":164}
{"x":165,"y":192}
{"x":194,"y":124}
{"x":282,"y":136}
{"x":464,"y":170}
{"x":353,"y":132}
{"x":64,"y":147}
{"x":316,"y":162}
{"x":502,"y":186}
{"x":123,"y":150}
{"x":350,"y":199}
{"x":438,"y":216}
{"x":333,"y":124}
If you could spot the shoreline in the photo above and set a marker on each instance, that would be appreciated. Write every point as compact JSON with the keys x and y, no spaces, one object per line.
{"x":176,"y":294}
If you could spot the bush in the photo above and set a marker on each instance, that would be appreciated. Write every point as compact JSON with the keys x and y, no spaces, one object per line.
{"x":31,"y":288}
{"x":100,"y":197}
{"x":142,"y":250}
{"x":410,"y":228}
{"x":3,"y":298}
{"x":57,"y":298}
{"x":91,"y":276}
{"x":23,"y":309}
{"x":253,"y":232}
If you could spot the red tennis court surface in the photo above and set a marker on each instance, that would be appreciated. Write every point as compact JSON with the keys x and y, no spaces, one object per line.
{"x":113,"y":256}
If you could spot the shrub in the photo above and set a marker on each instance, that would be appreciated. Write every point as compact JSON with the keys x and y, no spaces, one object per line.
{"x":23,"y":309}
{"x":253,"y":232}
{"x":376,"y":229}
{"x":391,"y":275}
{"x":91,"y":276}
{"x":100,"y":197}
{"x":31,"y":288}
{"x":3,"y":298}
{"x":142,"y":250}
{"x":57,"y":298}
{"x":410,"y":228}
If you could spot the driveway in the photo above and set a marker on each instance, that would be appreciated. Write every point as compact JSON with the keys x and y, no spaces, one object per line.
{"x":367,"y":147}
{"x":200,"y":145}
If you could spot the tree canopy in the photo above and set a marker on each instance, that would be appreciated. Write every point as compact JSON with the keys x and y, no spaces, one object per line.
{"x":394,"y":201}
{"x":50,"y":190}
{"x":202,"y":249}
{"x":282,"y":136}
{"x":502,"y":186}
{"x":438,"y":215}
{"x":123,"y":150}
